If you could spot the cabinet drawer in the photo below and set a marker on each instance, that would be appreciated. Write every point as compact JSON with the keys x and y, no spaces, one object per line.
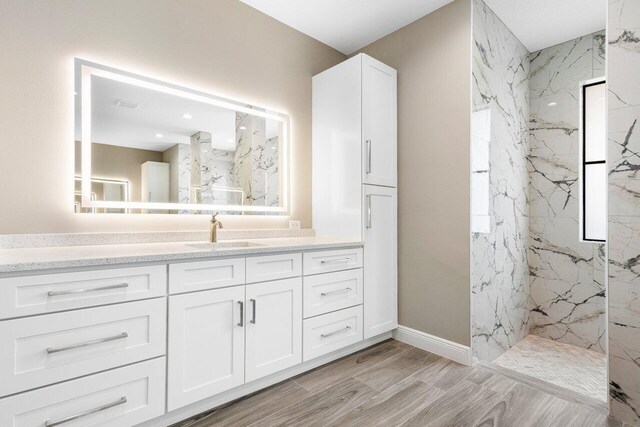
{"x":46,"y":293}
{"x":41,"y":350}
{"x":326,"y":261}
{"x":332,"y":291}
{"x":331,"y":332}
{"x":201,"y":275}
{"x":273,"y":267}
{"x":122,"y":397}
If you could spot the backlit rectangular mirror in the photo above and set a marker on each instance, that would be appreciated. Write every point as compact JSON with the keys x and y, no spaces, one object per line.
{"x":146,"y":146}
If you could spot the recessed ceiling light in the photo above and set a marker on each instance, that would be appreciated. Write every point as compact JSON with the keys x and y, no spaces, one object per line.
{"x":229,"y":140}
{"x":159,"y":135}
{"x":187,"y":116}
{"x":243,"y":127}
{"x":552,"y":104}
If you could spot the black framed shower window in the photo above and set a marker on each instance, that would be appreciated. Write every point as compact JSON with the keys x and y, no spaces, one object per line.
{"x":594,"y":162}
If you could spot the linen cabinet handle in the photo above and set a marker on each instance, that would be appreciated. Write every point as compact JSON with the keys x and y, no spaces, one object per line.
{"x":368,"y":210}
{"x":368,"y":156}
{"x":81,"y":291}
{"x":118,"y":402}
{"x":345,"y":329}
{"x":253,"y":314}
{"x":241,"y":322}
{"x":52,"y":350}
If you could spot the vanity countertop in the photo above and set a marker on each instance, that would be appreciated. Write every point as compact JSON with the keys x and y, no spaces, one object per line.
{"x":48,"y":258}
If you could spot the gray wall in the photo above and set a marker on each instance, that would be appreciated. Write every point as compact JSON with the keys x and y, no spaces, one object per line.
{"x":623,"y":63}
{"x":432,"y":56}
{"x":222,"y":46}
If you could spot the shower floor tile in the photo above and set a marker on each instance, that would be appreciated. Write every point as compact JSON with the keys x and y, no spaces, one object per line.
{"x":567,"y":366}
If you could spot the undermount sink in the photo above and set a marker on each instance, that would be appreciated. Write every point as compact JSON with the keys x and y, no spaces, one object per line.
{"x":224,"y":245}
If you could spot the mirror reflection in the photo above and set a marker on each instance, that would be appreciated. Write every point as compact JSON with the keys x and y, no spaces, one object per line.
{"x":173,"y":149}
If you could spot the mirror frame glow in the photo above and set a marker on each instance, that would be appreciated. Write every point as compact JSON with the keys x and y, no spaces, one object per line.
{"x":85,"y":70}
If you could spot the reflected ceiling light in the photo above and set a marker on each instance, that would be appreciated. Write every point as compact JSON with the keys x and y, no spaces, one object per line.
{"x":552,"y":104}
{"x":159,"y":135}
{"x":243,"y":128}
{"x":229,"y":140}
{"x":187,"y":116}
{"x":126,"y":104}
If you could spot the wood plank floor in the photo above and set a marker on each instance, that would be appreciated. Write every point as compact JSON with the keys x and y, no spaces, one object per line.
{"x":394,"y":384}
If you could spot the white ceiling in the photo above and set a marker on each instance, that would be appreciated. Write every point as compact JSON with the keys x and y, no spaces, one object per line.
{"x":346,"y":25}
{"x":349,"y":25}
{"x":156,"y":113}
{"x":542,"y":23}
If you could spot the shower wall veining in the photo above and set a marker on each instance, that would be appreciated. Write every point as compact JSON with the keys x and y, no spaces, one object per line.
{"x":530,"y":272}
{"x":499,"y":270}
{"x":623,"y":63}
{"x":567,"y":275}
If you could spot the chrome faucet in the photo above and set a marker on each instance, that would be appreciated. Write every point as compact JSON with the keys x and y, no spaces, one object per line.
{"x":215,"y":224}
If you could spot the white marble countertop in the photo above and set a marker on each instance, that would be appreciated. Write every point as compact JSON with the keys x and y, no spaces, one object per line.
{"x":47,"y":258}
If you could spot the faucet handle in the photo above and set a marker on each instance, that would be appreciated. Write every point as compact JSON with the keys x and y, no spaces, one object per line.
{"x":214,"y":220}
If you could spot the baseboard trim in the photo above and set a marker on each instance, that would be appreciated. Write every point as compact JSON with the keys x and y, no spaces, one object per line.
{"x":207,"y":404}
{"x":436,"y":345}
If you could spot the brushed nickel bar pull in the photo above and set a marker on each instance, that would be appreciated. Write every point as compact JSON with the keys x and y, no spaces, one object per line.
{"x":368,"y":156}
{"x":81,"y":291}
{"x":341,"y":291}
{"x":368,"y":210}
{"x":335,"y":261}
{"x":52,"y":350}
{"x":241,"y":322}
{"x":348,"y":328}
{"x":118,"y":402}
{"x":253,"y":302}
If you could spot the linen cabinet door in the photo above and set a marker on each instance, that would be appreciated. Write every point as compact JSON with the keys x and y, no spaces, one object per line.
{"x":274,"y":327}
{"x":206,"y":344}
{"x":379,"y":123}
{"x":380,"y":261}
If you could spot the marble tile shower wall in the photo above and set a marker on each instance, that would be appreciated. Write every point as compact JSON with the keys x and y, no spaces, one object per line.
{"x":567,"y":276}
{"x":624,"y":209}
{"x":499,"y":270}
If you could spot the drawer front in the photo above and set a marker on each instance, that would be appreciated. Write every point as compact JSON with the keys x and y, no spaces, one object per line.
{"x":331,"y":332}
{"x":324,"y":293}
{"x":41,"y":350}
{"x":336,"y":260}
{"x":121,"y":397}
{"x":201,"y":275}
{"x":273,"y":267}
{"x":46,"y":293}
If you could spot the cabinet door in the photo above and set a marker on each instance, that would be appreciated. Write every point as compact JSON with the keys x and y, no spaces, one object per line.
{"x":379,"y":123}
{"x":274,"y":327}
{"x":380,"y":261}
{"x":206,"y":344}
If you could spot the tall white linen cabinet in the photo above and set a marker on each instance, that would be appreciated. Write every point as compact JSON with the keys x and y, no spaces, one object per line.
{"x":355,"y":174}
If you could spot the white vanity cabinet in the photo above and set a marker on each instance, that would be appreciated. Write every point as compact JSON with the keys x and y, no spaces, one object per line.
{"x":273,"y":327}
{"x":197,"y":334}
{"x":206,"y":344}
{"x":222,"y":338}
{"x":355,"y":174}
